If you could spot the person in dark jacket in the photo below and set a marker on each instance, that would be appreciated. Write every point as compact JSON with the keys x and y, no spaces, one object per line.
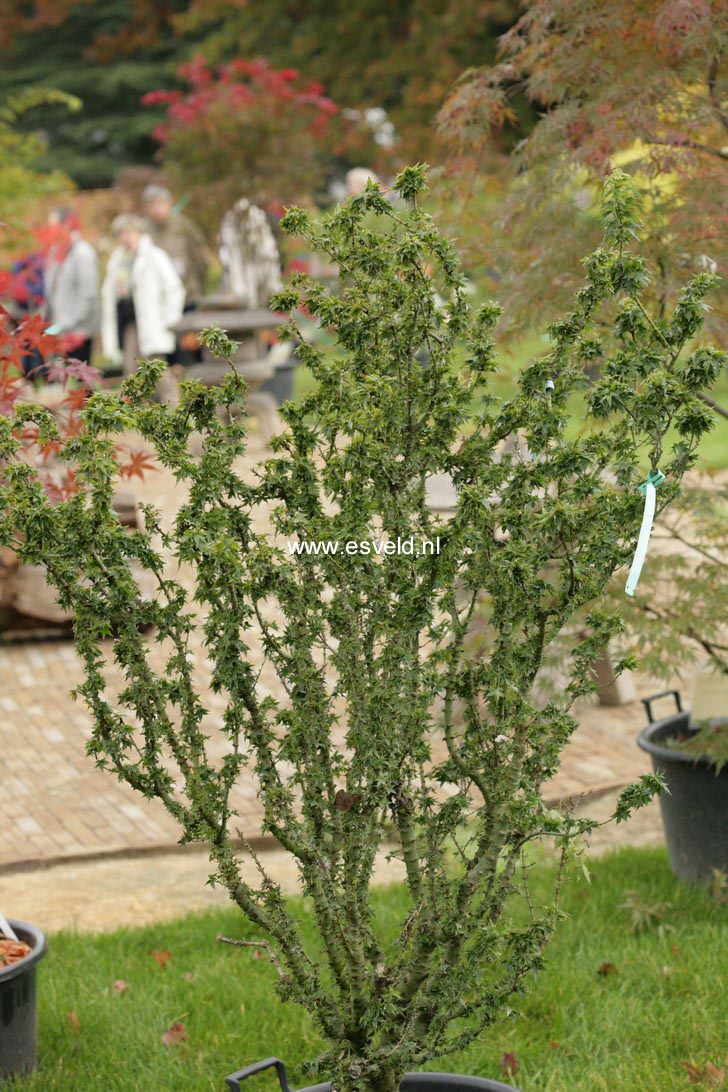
{"x":27,"y":295}
{"x":185,"y":244}
{"x":179,"y":237}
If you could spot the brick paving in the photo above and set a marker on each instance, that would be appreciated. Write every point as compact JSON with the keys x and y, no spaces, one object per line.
{"x":55,"y":804}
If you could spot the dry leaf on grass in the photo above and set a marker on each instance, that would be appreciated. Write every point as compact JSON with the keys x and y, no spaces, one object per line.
{"x":175,"y":1034}
{"x":509,"y":1064}
{"x":707,"y":1074}
{"x":120,"y":986}
{"x":162,"y":958}
{"x":73,"y":1021}
{"x":607,"y":969}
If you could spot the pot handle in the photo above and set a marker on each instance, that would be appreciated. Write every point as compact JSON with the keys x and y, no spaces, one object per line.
{"x":647,"y":702}
{"x":233,"y":1081}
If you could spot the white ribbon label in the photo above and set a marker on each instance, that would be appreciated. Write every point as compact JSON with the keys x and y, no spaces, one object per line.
{"x":643,"y":540}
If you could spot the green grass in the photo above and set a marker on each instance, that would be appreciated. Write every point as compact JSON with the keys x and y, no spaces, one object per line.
{"x":581,"y":1031}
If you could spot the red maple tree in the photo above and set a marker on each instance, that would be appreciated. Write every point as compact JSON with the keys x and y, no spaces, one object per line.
{"x":640,"y":85}
{"x":246,"y":129}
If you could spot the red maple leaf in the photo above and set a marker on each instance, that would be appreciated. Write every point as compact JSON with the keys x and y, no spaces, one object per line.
{"x":76,"y":399}
{"x":63,"y":370}
{"x":10,"y":390}
{"x":64,"y":489}
{"x":162,"y":958}
{"x":52,"y":447}
{"x":74,"y":426}
{"x":174,"y":1034}
{"x":139,"y":462}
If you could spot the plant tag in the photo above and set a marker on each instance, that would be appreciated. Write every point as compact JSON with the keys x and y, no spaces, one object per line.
{"x":6,"y":928}
{"x":648,"y":488}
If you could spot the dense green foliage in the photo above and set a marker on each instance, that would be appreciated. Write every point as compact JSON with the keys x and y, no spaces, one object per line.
{"x":634,"y":1024}
{"x":410,"y":712}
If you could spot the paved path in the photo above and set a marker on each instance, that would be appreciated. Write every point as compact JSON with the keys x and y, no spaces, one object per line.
{"x":118,"y":892}
{"x":54,"y":803}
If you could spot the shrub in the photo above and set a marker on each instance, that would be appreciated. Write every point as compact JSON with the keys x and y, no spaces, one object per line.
{"x":362,"y":751}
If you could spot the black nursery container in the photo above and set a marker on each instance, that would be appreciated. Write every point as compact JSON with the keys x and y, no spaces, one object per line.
{"x":18,"y":1016}
{"x":411,"y":1082}
{"x":695,"y":808}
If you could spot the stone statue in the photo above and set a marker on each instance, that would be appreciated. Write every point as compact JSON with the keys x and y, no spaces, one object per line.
{"x":249,"y":255}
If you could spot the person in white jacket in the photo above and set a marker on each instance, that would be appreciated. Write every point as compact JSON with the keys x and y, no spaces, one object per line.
{"x":141,"y":299}
{"x":72,"y":284}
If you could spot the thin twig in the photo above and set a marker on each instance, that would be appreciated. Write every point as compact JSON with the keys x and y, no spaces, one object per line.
{"x":713,"y":404}
{"x":257,"y":944}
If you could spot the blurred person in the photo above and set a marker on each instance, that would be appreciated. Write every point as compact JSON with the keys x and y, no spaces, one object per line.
{"x":26,"y":297}
{"x":357,"y":178}
{"x":71,"y":277}
{"x":141,"y":298}
{"x":179,"y":237}
{"x":186,"y":246}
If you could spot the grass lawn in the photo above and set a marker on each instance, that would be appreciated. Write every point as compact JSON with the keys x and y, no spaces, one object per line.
{"x":617,"y":1009}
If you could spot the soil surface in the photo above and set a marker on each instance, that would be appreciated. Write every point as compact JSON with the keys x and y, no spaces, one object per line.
{"x":12,"y":951}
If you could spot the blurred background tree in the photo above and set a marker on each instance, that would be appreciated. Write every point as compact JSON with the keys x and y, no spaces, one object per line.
{"x":642,"y":85}
{"x":402,"y":57}
{"x":390,"y":65}
{"x":245,"y":129}
{"x":22,"y":185}
{"x":108,"y":55}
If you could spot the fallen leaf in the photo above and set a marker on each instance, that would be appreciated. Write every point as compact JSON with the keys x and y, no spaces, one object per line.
{"x":175,"y":1034}
{"x":188,"y":976}
{"x":607,"y":969}
{"x":556,"y":1045}
{"x":509,"y":1064}
{"x":706,"y":1074}
{"x":120,"y":986}
{"x":162,"y":958}
{"x":73,"y":1021}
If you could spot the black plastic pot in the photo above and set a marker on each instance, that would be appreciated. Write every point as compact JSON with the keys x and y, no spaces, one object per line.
{"x":695,"y":808}
{"x":412,"y":1082}
{"x":18,"y":1019}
